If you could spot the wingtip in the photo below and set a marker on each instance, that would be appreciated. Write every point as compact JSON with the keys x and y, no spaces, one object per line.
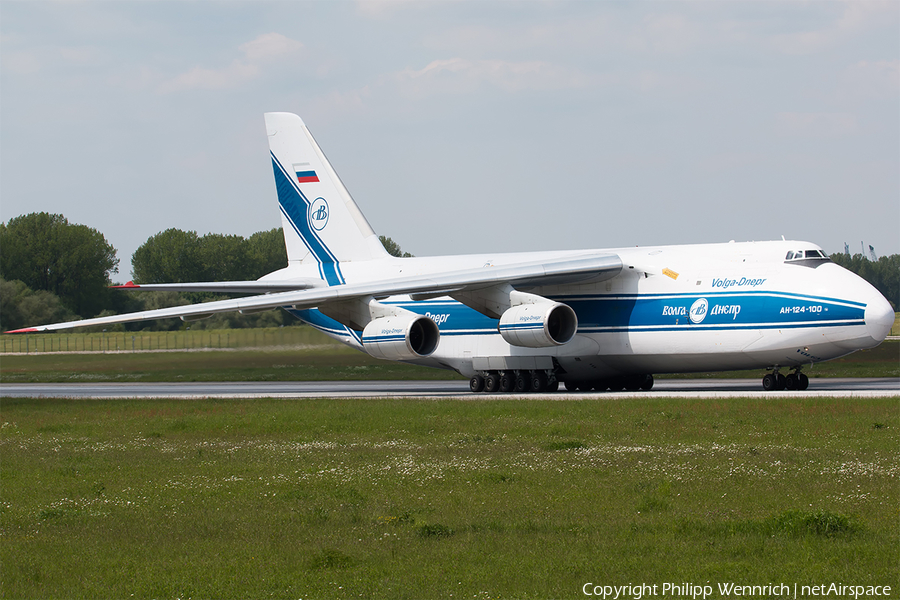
{"x":26,"y":330}
{"x":130,"y":285}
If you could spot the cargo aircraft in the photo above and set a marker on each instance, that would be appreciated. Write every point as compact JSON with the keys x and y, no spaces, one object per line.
{"x":591,"y":319}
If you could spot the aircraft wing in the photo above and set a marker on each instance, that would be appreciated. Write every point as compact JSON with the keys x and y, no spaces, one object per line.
{"x":520,"y":275}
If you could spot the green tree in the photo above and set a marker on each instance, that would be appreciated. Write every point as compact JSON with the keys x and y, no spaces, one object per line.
{"x":224,"y":258}
{"x":48,"y":253}
{"x":176,"y":256}
{"x":171,"y":256}
{"x":393,"y":248}
{"x":267,"y":252}
{"x":884,"y":274}
{"x":20,"y":306}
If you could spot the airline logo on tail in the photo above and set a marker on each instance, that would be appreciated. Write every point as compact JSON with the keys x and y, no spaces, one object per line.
{"x":318,"y":214}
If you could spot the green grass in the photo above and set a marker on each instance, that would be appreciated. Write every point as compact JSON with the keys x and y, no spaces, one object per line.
{"x":187,"y":339}
{"x":328,"y":363}
{"x":406,"y":498}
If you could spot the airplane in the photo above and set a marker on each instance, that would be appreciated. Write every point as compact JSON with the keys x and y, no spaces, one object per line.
{"x":527,"y":322}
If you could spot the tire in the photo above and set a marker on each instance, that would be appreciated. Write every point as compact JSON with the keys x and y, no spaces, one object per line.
{"x":617,"y":384}
{"x":538,"y":381}
{"x":803,"y":381}
{"x":492,"y":383}
{"x":781,"y":381}
{"x":769,"y":383}
{"x":647,"y":384}
{"x":520,"y":383}
{"x":476,"y":384}
{"x":552,"y":386}
{"x":792,"y":382}
{"x":571,"y":386}
{"x":506,"y":382}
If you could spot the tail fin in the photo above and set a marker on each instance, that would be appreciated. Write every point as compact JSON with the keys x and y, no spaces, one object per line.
{"x":321,"y":222}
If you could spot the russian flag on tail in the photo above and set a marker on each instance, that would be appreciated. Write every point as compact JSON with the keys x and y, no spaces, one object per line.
{"x":305,"y":173}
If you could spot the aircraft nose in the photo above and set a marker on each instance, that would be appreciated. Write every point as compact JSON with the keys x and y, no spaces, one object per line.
{"x":879,"y":318}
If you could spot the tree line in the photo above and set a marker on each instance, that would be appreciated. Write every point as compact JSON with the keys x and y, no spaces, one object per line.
{"x":883,"y":274}
{"x":53,"y":271}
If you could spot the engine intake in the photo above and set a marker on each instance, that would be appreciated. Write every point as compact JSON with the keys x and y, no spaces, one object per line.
{"x":401,"y":337}
{"x":539,"y":325}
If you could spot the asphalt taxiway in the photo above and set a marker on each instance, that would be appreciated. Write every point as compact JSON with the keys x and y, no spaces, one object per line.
{"x":687,"y":388}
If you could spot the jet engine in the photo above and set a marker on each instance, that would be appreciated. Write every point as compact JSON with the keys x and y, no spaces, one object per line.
{"x":538,"y":325}
{"x":401,"y":337}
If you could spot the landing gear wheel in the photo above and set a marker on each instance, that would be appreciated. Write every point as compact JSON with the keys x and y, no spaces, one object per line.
{"x":633,"y":383}
{"x":792,"y":382}
{"x":476,"y":384}
{"x":520,"y":383}
{"x":492,"y":383}
{"x":803,"y":381}
{"x":617,"y":384}
{"x":571,"y":386}
{"x":553,"y":385}
{"x":781,"y":381}
{"x":647,"y":383}
{"x":770,"y":383}
{"x":538,"y":381}
{"x":506,"y":382}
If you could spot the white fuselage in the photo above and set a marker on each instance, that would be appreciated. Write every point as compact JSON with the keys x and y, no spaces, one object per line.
{"x":670,"y":309}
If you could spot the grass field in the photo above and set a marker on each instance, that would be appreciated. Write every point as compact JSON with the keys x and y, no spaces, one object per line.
{"x":146,"y":341}
{"x":438,"y":499}
{"x":318,"y":362}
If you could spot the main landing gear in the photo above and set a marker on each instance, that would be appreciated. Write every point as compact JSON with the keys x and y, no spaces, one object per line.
{"x":514,"y":381}
{"x":775,"y":381}
{"x":523,"y":381}
{"x":631,"y":383}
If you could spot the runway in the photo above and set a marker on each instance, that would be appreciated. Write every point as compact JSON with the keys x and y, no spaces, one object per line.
{"x":685,"y":388}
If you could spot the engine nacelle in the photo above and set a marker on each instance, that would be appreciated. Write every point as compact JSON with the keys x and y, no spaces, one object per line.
{"x":402,"y":337}
{"x":539,"y":325}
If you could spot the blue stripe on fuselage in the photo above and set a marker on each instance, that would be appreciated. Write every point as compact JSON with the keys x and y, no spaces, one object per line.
{"x":636,"y":313}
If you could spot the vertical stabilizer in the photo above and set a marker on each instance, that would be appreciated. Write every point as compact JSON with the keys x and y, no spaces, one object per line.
{"x":321,"y":222}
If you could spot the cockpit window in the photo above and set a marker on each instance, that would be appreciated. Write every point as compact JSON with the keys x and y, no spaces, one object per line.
{"x":808,"y":258}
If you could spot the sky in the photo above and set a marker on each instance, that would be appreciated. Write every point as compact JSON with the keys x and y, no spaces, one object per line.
{"x":463,"y":127}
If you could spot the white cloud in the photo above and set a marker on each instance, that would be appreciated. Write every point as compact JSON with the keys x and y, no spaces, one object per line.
{"x":818,"y":124}
{"x":874,"y":79}
{"x":383,"y":8}
{"x":456,"y":75}
{"x":21,"y":63}
{"x":79,"y":55}
{"x":270,"y":45}
{"x":256,"y":52}
{"x":856,"y":19}
{"x":199,"y":78}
